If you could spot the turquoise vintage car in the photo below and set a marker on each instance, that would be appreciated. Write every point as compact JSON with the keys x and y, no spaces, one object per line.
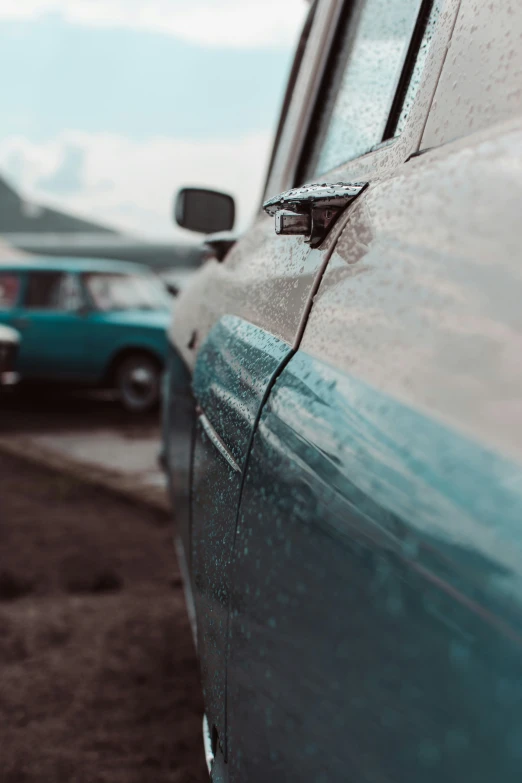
{"x":92,"y":322}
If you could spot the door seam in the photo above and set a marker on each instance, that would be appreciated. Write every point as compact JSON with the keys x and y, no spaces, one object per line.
{"x":270,"y":385}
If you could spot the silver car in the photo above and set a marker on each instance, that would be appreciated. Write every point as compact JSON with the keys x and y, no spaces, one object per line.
{"x":344,"y":419}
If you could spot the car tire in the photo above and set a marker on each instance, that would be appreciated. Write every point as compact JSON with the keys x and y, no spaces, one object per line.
{"x":138,"y":382}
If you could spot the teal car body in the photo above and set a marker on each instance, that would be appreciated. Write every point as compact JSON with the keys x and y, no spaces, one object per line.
{"x":355,"y":572}
{"x":344,"y":439}
{"x":69,"y":332}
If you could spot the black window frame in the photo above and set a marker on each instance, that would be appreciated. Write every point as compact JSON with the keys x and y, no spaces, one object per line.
{"x":347,"y":27}
{"x":408,"y":69}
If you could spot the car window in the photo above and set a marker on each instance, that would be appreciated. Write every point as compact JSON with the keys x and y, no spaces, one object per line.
{"x":116,"y":291}
{"x":53,"y":291}
{"x":372,"y":54}
{"x":9,"y":290}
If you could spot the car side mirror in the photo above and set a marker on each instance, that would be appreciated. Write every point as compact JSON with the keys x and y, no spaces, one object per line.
{"x":205,"y":211}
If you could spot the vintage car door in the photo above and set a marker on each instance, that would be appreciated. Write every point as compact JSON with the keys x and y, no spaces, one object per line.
{"x":285,"y":696}
{"x":54,"y":340}
{"x":233,"y":329}
{"x":377,"y":584}
{"x":376,"y":610}
{"x":240,"y":322}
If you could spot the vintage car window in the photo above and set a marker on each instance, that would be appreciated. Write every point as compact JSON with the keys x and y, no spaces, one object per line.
{"x":47,"y":291}
{"x":116,"y":291}
{"x":69,"y":295}
{"x":372,"y":51}
{"x":9,"y":290}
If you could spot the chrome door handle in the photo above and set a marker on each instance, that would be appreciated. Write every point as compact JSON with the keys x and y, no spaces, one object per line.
{"x":312,"y":210}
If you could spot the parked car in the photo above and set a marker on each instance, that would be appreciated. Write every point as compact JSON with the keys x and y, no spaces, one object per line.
{"x":9,"y":344}
{"x":88,"y":322}
{"x":344,"y":414}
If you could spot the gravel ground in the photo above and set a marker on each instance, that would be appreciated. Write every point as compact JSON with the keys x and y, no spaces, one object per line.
{"x":98,"y":677}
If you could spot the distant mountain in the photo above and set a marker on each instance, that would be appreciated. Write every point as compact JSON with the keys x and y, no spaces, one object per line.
{"x":18,"y":216}
{"x":36,"y":229}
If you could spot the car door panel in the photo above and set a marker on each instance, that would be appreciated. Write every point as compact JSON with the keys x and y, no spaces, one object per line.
{"x":421,"y":297}
{"x":234,"y":329}
{"x":269,"y":282}
{"x":234,"y":370}
{"x":373,"y":617}
{"x":53,"y":345}
{"x":263,"y":280}
{"x":232,"y":373}
{"x":376,"y":610}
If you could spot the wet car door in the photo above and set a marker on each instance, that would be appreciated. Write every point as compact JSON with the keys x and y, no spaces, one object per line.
{"x":301,"y":553}
{"x":235,"y":327}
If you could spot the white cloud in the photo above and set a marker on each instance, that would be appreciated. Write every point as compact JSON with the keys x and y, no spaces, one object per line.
{"x":130,"y":185}
{"x":221,"y":23}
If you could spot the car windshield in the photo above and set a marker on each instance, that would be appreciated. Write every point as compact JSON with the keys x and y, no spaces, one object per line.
{"x":115,"y":291}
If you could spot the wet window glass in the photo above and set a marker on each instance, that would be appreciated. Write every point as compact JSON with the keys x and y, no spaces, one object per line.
{"x":9,"y":290}
{"x":370,"y":63}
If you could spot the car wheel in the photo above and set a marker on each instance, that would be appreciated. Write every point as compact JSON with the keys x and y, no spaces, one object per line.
{"x":138,"y":381}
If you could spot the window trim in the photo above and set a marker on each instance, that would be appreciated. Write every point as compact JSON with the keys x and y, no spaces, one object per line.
{"x":378,"y":163}
{"x":294,"y":73}
{"x":304,"y":95}
{"x":345,"y":26}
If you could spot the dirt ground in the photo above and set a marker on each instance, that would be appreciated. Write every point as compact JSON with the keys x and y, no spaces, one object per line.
{"x":98,"y":677}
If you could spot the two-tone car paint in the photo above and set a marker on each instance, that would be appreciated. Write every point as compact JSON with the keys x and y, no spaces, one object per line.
{"x":355,"y":558}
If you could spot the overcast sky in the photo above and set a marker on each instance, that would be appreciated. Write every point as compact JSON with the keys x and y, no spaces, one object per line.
{"x":108,"y":106}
